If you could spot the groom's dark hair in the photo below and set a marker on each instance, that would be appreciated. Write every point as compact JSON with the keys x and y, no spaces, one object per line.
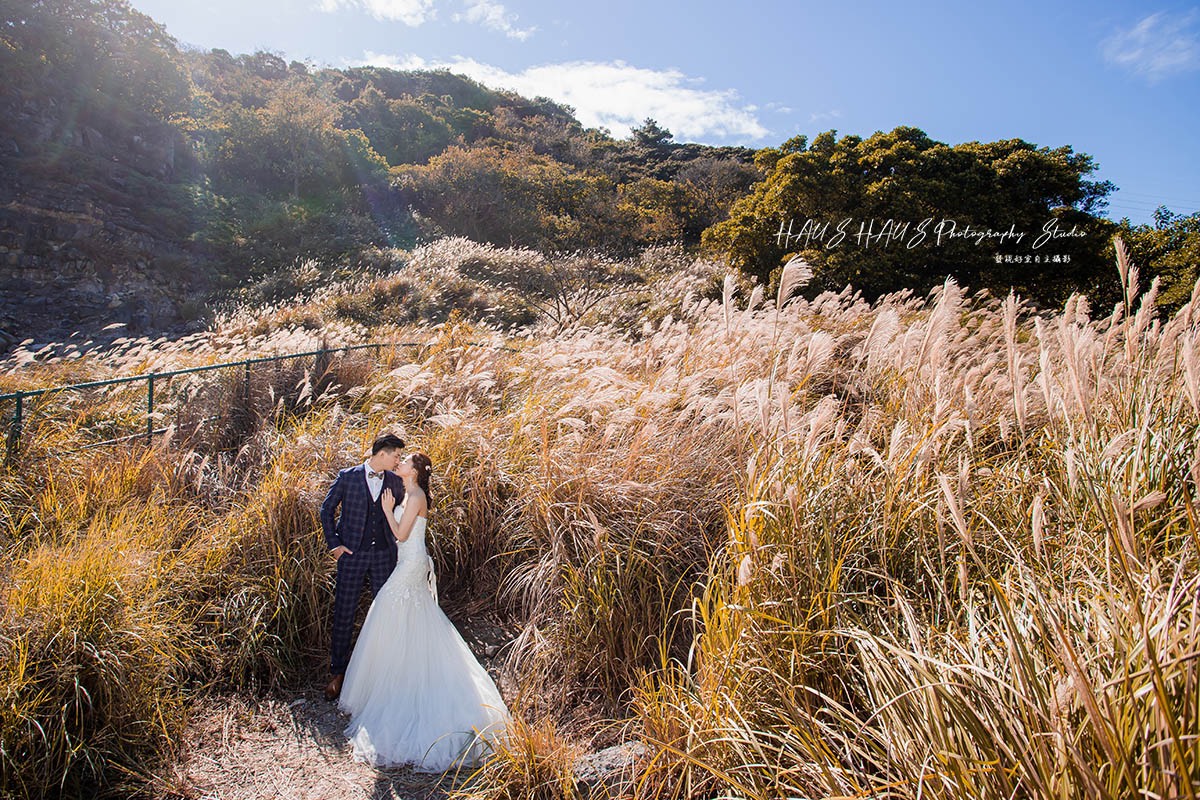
{"x":388,"y":441}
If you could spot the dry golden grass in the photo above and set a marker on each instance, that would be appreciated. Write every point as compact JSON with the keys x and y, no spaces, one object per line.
{"x":938,"y":546}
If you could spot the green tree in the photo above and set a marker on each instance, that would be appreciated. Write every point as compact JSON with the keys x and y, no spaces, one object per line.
{"x":115,"y":64}
{"x":652,"y":136}
{"x":404,"y":131}
{"x":658,"y":211}
{"x":712,"y":185}
{"x":298,"y":126}
{"x":1168,"y":250}
{"x":512,"y":196}
{"x":868,"y":190}
{"x":241,"y":162}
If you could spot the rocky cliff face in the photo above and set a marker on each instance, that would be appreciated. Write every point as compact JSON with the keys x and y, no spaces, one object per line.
{"x":74,"y":254}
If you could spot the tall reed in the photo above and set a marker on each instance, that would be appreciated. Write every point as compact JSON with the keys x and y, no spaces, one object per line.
{"x":799,"y":547}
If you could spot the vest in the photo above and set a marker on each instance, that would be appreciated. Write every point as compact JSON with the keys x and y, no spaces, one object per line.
{"x":376,"y":532}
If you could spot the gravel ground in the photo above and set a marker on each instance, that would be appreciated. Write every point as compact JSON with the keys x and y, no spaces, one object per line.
{"x":291,"y":745}
{"x":239,"y":749}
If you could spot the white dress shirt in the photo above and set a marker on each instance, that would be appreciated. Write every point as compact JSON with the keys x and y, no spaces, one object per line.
{"x":375,"y":485}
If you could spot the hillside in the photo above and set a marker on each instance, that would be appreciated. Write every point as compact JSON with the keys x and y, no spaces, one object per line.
{"x":138,"y":181}
{"x":146,"y":185}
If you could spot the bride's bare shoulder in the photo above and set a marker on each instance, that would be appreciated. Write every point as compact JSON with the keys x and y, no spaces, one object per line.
{"x":419,"y":501}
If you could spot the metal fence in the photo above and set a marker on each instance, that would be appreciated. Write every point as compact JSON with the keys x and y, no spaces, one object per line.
{"x":19,"y":399}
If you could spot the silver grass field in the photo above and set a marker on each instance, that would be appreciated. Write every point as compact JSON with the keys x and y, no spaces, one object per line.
{"x":923,"y":547}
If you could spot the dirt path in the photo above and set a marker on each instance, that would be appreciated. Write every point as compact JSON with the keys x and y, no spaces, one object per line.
{"x":238,"y":749}
{"x":291,"y":746}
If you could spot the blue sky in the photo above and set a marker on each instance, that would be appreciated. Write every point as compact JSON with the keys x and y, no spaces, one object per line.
{"x":1117,"y":80}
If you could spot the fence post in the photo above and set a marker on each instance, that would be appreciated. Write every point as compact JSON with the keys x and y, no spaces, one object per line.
{"x":247,"y":382}
{"x":14,"y":431}
{"x":150,"y":408}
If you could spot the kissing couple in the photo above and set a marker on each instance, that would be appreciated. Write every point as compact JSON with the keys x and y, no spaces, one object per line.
{"x":414,"y":691}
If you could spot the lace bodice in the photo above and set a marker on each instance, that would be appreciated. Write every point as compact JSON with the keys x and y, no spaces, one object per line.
{"x":414,"y":546}
{"x":414,"y":568}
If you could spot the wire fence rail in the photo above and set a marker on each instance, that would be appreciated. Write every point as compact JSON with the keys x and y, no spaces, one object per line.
{"x":19,"y":398}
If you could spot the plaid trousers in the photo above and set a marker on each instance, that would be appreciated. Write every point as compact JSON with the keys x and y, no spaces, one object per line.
{"x":373,"y":564}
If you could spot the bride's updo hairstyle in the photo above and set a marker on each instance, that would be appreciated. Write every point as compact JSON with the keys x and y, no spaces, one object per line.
{"x":423,"y":466}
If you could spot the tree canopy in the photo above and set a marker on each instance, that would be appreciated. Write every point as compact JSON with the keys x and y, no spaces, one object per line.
{"x":1170,"y":249}
{"x":901,"y":210}
{"x":101,"y":56}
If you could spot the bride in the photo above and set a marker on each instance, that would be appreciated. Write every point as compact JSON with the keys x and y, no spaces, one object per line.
{"x":415,"y":693}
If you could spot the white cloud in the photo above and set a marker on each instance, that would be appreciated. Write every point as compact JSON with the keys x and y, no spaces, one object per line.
{"x":824,"y":116}
{"x":494,"y":15}
{"x":488,"y":13}
{"x":615,"y":95}
{"x":410,"y":12}
{"x":371,"y":59}
{"x":1158,"y":46}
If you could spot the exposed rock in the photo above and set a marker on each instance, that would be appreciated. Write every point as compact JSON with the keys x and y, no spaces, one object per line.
{"x":68,"y":261}
{"x":77,"y":246}
{"x":609,"y":772}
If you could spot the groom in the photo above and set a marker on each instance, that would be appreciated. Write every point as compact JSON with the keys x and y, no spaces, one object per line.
{"x":361,"y":540}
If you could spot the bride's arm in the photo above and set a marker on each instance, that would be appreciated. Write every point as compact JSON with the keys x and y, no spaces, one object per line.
{"x":414,"y":506}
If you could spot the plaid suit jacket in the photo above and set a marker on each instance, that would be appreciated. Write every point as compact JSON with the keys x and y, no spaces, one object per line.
{"x":351,"y":493}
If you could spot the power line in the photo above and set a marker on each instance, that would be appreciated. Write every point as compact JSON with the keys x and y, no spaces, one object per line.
{"x":1156,"y":197}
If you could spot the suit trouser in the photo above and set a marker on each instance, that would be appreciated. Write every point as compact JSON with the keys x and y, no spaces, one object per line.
{"x":373,"y":564}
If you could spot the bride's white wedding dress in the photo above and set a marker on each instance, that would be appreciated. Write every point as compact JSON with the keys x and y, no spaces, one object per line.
{"x":414,"y":690}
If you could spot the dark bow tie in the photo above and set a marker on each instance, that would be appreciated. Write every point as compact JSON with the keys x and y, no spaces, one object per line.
{"x":372,"y":475}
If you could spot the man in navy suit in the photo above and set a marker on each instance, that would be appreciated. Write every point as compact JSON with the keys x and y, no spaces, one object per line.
{"x":361,"y":540}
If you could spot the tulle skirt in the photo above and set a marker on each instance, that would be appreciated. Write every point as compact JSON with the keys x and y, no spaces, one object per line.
{"x":414,"y":690}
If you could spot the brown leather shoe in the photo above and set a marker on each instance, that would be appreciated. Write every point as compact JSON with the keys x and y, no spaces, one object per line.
{"x":333,"y":689}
